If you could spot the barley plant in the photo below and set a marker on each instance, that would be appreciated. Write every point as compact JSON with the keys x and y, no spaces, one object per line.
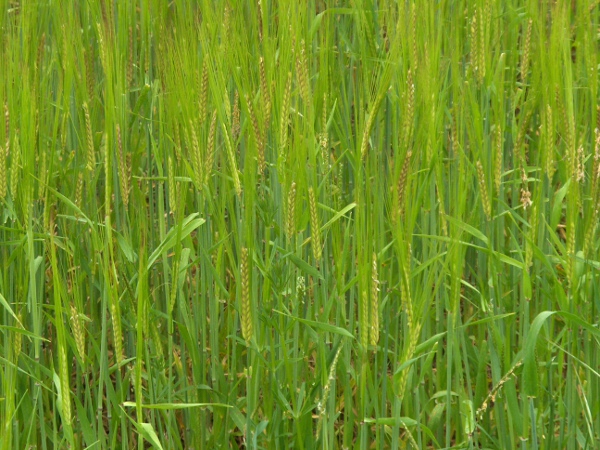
{"x":299,"y":225}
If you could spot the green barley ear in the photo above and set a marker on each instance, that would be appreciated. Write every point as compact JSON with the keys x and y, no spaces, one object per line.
{"x":534,"y":220}
{"x":257,"y":134}
{"x":130,"y":61}
{"x":196,"y":157}
{"x":369,"y":125}
{"x":402,"y":182}
{"x":499,"y":150}
{"x":264,"y":90}
{"x":210,"y":149}
{"x":283,"y":126}
{"x":78,"y":332}
{"x":302,"y":76}
{"x":7,"y":128}
{"x":246,"y":309}
{"x":172,"y":184}
{"x":550,"y":164}
{"x":3,"y":174}
{"x":364,"y":319}
{"x":124,"y":171}
{"x":79,"y":190}
{"x":231,"y":158}
{"x":315,"y":230}
{"x":203,"y":93}
{"x":588,"y":241}
{"x":413,"y":36}
{"x":407,"y":129}
{"x":18,"y":337}
{"x":322,"y":404}
{"x":483,"y":189}
{"x":89,"y":72}
{"x":235,"y":121}
{"x":526,"y":50}
{"x":290,"y":222}
{"x":90,"y":155}
{"x":475,"y":50}
{"x":374,"y":335}
{"x":323,"y":137}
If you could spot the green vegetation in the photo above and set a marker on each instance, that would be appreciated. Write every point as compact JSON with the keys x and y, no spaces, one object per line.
{"x":261,"y":224}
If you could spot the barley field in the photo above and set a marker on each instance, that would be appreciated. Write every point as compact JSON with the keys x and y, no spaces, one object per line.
{"x":303,"y":225}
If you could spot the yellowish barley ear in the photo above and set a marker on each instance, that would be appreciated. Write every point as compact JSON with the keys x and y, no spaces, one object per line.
{"x":235,"y":121}
{"x":302,"y":76}
{"x":290,"y":223}
{"x":78,"y":332}
{"x":526,"y":50}
{"x":203,"y":93}
{"x":483,"y":189}
{"x":266,"y":96}
{"x":246,"y":309}
{"x":374,"y":334}
{"x":315,"y":230}
{"x":402,"y":182}
{"x":210,"y":149}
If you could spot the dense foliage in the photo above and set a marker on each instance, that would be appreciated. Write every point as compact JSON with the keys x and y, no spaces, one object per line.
{"x":275,"y":224}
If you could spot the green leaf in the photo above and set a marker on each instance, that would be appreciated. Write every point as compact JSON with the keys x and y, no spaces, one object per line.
{"x":189,"y":224}
{"x":530,"y":370}
{"x":320,"y":325}
{"x":170,"y":406}
{"x":304,"y":266}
